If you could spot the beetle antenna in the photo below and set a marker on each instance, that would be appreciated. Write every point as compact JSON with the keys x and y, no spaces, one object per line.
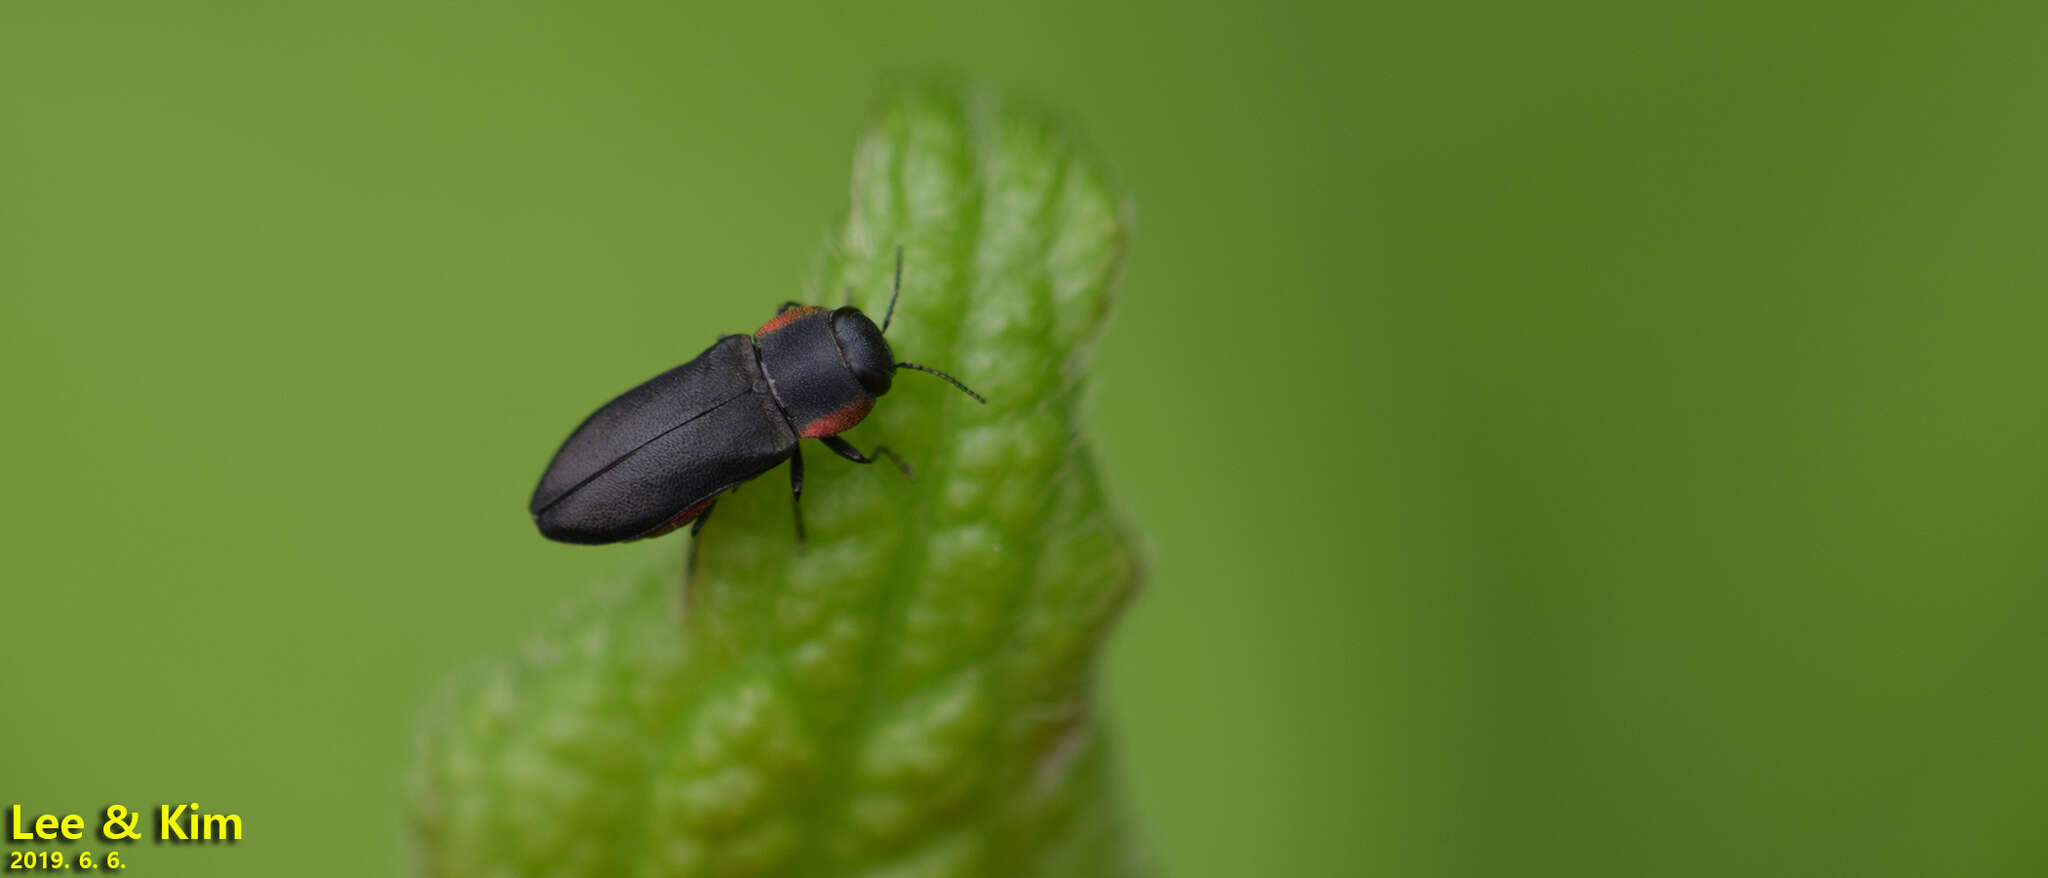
{"x":949,"y":379}
{"x":894,"y":291}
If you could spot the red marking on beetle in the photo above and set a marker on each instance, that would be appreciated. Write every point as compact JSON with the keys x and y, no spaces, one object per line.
{"x":682,"y":518}
{"x":785,"y":318}
{"x":841,"y":420}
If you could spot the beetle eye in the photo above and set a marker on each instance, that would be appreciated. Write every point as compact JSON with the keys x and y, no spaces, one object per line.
{"x":866,"y":352}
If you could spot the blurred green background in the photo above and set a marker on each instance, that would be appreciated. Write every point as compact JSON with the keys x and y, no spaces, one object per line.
{"x":1571,"y":438}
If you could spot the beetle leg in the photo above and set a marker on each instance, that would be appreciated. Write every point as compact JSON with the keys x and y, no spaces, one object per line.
{"x":682,"y":605}
{"x":846,"y":450}
{"x":796,"y":491}
{"x":690,"y":562}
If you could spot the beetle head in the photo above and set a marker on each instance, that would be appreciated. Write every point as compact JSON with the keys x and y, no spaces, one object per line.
{"x":866,"y":352}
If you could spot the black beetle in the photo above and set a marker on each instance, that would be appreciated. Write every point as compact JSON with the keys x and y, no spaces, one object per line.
{"x":657,"y":457}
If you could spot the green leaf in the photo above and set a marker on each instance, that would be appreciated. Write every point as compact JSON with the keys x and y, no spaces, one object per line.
{"x":912,"y":692}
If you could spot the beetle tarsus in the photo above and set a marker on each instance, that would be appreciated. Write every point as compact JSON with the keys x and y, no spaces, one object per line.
{"x":682,"y":606}
{"x":690,"y":561}
{"x":845,"y":449}
{"x":796,"y":491}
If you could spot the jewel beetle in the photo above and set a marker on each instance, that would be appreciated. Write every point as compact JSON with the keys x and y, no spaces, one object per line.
{"x":657,"y":457}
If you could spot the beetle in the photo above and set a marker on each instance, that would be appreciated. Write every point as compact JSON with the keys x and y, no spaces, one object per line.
{"x":657,"y":457}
